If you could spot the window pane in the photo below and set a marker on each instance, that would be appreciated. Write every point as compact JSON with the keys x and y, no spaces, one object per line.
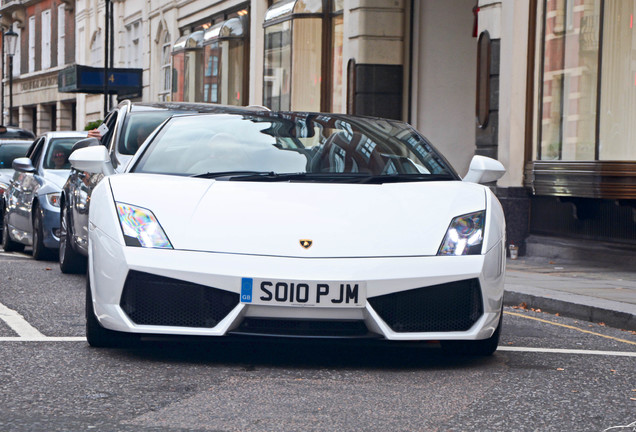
{"x":276,"y":86}
{"x":307,"y":71}
{"x":231,"y":72}
{"x":337,"y":103}
{"x":618,"y":89}
{"x":570,"y":74}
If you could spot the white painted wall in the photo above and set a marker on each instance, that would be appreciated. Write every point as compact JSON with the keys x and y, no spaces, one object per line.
{"x":444,"y":61}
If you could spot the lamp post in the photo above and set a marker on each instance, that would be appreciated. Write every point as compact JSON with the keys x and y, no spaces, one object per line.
{"x":11,"y":39}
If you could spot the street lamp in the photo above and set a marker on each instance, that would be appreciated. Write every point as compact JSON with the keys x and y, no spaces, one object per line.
{"x":11,"y":39}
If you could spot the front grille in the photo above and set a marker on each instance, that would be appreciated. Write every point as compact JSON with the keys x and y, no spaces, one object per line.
{"x":155,"y":300}
{"x":454,"y":306}
{"x":310,"y":328}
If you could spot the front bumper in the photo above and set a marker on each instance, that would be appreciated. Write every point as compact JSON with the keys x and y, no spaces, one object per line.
{"x":393,"y":288}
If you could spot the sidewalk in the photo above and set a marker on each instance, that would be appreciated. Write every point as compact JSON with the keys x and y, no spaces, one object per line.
{"x":593,"y":292}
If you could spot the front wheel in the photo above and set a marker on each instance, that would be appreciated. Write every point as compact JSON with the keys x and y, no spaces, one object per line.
{"x":40,"y":252}
{"x":7,"y":244}
{"x":70,"y":260}
{"x":98,"y":336}
{"x":484,"y":347}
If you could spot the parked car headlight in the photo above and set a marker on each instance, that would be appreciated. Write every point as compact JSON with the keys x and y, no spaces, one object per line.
{"x":465,"y":235}
{"x":53,"y":199}
{"x":141,"y":228}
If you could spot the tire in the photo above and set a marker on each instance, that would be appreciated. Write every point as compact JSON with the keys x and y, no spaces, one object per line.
{"x":7,"y":244}
{"x":98,"y":336}
{"x":483,"y":348}
{"x":70,"y":260}
{"x":40,"y":252}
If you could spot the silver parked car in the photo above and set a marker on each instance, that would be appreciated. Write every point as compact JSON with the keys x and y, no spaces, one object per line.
{"x":128,"y":126}
{"x":32,"y":200}
{"x":10,"y":149}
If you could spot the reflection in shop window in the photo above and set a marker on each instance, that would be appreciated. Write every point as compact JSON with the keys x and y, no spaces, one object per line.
{"x":224,"y":53}
{"x":569,"y":87}
{"x":617,"y":132}
{"x":298,"y":52}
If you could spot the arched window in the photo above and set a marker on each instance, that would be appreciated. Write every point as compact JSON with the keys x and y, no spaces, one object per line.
{"x":97,"y":54}
{"x":166,"y":67}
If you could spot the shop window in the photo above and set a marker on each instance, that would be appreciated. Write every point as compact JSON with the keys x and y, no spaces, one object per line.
{"x":617,"y":128}
{"x":224,"y":79}
{"x":295,"y":61}
{"x":569,"y":81}
{"x":187,"y":66}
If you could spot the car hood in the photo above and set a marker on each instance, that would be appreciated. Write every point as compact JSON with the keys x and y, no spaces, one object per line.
{"x":56,"y":178}
{"x":263,"y":218}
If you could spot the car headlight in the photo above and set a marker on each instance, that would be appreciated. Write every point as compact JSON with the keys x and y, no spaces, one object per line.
{"x":53,"y":199}
{"x":465,"y":235}
{"x":141,"y":228}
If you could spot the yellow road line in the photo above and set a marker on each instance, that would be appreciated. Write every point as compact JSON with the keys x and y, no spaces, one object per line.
{"x":570,"y":327}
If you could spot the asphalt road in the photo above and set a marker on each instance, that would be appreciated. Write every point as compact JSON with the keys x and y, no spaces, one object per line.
{"x":550,"y":374}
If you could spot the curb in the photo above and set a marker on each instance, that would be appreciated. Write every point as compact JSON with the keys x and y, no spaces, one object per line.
{"x":612,"y":313}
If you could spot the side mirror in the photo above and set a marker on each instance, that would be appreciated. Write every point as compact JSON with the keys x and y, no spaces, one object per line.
{"x":83,"y":143}
{"x":23,"y":164}
{"x":484,"y":170}
{"x":93,"y":159}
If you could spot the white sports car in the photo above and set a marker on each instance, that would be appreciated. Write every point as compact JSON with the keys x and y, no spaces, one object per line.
{"x":294,"y":224}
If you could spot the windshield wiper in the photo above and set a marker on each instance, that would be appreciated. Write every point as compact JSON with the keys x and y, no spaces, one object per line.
{"x":339,"y":177}
{"x":232,"y":174}
{"x":398,"y":178}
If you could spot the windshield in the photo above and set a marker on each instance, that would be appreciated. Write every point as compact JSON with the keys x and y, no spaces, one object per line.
{"x":312,"y":146}
{"x":8,"y":152}
{"x":58,"y":151}
{"x":137,"y":128}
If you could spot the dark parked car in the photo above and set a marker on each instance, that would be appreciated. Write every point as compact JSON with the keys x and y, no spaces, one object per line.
{"x":128,"y":126}
{"x":32,"y":200}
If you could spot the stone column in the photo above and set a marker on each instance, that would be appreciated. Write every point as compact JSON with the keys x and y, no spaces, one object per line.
{"x":64,"y":114}
{"x":44,"y":119}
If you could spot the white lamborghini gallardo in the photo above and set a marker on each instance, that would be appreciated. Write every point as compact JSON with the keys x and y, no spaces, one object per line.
{"x":294,"y":224}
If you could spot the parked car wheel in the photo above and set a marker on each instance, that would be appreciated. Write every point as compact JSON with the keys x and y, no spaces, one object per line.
{"x":40,"y":252}
{"x":484,"y":347}
{"x":8,"y":244}
{"x":98,"y":336}
{"x":70,"y":260}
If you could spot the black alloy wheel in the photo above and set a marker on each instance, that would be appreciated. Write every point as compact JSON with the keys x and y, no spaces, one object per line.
{"x":7,"y":244}
{"x":40,"y":252}
{"x":70,"y":260}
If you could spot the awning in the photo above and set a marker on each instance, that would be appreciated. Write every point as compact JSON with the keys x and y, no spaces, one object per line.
{"x":230,"y":29}
{"x":287,"y":8}
{"x":190,"y":41}
{"x":86,"y":79}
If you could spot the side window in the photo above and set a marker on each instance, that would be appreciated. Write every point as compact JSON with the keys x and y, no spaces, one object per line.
{"x":36,"y":155}
{"x":110,"y":121}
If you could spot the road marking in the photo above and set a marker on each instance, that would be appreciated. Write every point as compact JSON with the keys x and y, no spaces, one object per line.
{"x":44,"y":339}
{"x":566,"y":351}
{"x":15,"y":255}
{"x":18,"y":324}
{"x":571,"y":327}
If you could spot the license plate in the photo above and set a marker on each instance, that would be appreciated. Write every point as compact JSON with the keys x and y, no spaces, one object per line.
{"x":302,"y":293}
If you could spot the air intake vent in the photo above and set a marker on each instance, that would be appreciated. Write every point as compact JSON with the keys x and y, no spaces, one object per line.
{"x":155,"y":300}
{"x":454,"y":306}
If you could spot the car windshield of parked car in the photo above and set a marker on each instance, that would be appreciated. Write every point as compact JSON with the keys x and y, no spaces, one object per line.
{"x":137,"y":127}
{"x":58,"y":151}
{"x":8,"y":152}
{"x":292,"y":146}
